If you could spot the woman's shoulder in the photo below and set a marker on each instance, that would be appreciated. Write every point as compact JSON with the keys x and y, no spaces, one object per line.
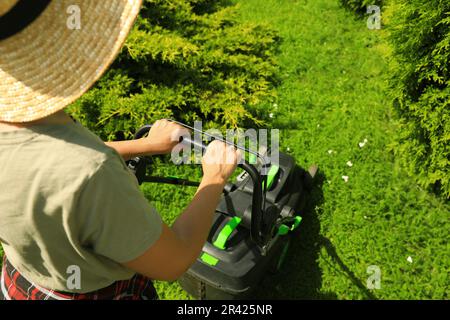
{"x":77,"y":149}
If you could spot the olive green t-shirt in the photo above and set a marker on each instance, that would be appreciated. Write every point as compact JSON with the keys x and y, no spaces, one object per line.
{"x":69,"y":206}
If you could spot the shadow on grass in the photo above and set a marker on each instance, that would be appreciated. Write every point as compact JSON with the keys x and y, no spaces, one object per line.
{"x":300,"y":276}
{"x":326,"y":243}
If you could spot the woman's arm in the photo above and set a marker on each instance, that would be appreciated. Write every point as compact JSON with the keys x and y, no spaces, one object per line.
{"x":131,"y":148}
{"x":163,"y":136}
{"x":178,"y":247}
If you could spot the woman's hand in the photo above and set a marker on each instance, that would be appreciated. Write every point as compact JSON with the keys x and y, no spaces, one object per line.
{"x":163,"y":137}
{"x":219,"y":162}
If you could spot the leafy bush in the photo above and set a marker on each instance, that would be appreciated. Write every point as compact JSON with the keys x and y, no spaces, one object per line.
{"x":360,"y":6}
{"x":184,"y":59}
{"x":420,"y":83}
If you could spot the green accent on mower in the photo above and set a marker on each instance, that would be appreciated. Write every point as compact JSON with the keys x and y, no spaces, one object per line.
{"x":226,"y":232}
{"x":271,"y":175}
{"x":284,"y":229}
{"x":209,"y":259}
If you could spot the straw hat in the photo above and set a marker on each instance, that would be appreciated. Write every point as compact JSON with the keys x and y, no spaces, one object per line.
{"x":51,"y":52}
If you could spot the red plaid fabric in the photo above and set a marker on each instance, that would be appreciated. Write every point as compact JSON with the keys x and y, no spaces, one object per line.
{"x":16,"y":287}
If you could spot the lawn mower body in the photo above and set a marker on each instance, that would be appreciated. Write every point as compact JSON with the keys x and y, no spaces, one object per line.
{"x":251,"y":228}
{"x":232,"y":265}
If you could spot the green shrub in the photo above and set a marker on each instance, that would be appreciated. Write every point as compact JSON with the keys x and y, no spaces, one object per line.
{"x":360,"y":6}
{"x":184,"y":59}
{"x":419,"y":32}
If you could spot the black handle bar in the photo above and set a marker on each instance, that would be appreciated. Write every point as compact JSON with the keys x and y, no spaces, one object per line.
{"x":257,"y":196}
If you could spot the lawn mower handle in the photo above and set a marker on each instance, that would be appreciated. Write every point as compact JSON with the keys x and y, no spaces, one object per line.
{"x":257,"y":196}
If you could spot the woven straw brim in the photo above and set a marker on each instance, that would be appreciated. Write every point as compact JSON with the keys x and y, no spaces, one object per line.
{"x":49,"y":64}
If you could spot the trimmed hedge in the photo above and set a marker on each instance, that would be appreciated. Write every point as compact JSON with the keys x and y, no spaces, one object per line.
{"x":184,"y":59}
{"x":419,"y":33}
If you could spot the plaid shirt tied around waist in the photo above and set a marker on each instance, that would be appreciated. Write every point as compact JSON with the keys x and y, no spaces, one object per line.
{"x":15,"y":287}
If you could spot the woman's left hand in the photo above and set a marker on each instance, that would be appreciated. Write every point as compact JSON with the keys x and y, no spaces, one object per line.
{"x":163,"y":137}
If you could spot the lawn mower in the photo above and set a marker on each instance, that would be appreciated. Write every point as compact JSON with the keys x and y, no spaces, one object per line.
{"x":251,"y":228}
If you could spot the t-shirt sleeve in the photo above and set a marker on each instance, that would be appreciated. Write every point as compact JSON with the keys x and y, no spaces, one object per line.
{"x":119,"y":223}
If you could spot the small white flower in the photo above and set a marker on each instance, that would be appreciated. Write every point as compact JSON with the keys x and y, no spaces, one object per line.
{"x":362,"y":144}
{"x":330,"y":151}
{"x":271,"y":115}
{"x":288,"y":149}
{"x":345,"y":178}
{"x":409,"y":259}
{"x":349,"y":163}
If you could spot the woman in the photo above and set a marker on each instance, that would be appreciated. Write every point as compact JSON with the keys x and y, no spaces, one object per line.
{"x":74,"y":222}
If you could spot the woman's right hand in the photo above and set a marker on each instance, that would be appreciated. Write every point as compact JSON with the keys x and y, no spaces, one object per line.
{"x":219,"y":162}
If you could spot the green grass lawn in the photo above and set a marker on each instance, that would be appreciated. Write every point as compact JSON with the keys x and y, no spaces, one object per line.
{"x":330,"y":99}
